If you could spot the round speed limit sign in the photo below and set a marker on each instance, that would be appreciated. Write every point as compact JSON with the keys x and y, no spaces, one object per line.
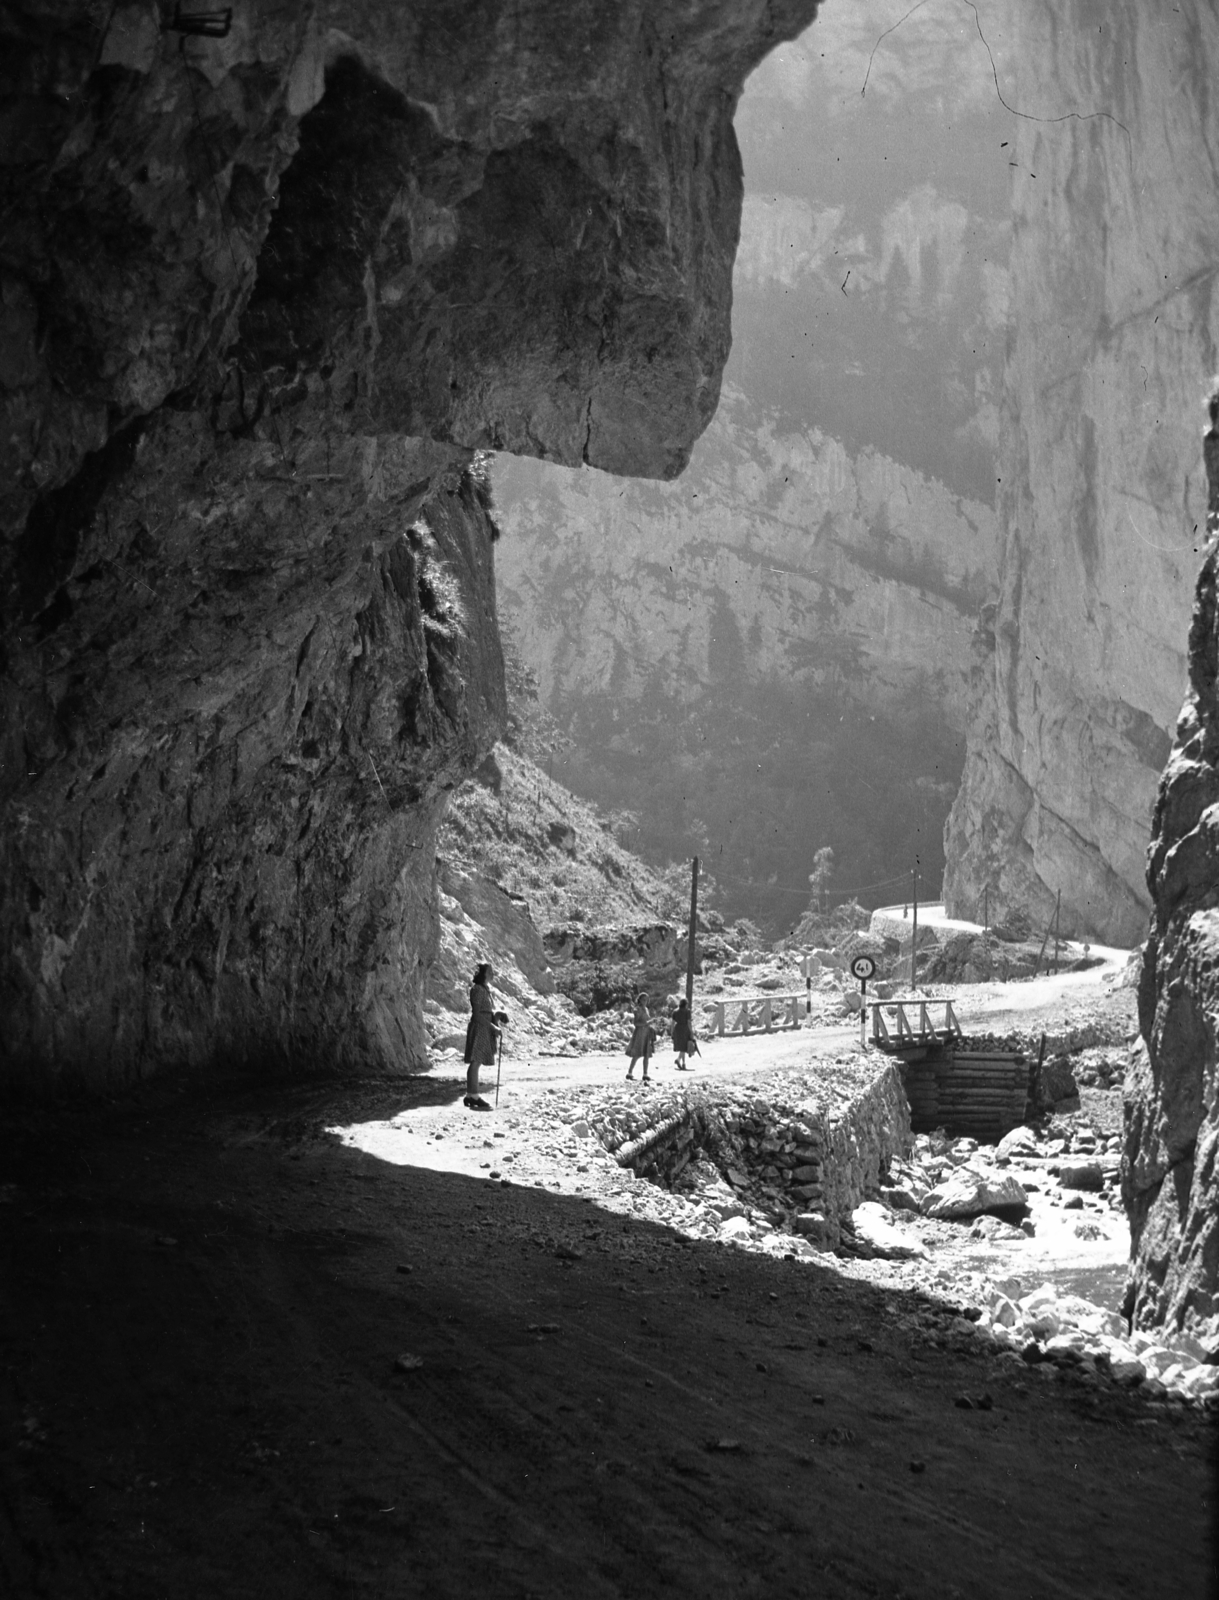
{"x":863,"y":967}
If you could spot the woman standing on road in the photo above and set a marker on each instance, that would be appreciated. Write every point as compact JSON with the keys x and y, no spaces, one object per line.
{"x":684,"y":1041}
{"x":641,"y":1039}
{"x":482,"y":1034}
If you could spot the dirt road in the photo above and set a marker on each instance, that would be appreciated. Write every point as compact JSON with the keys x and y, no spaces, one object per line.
{"x":205,"y":1300}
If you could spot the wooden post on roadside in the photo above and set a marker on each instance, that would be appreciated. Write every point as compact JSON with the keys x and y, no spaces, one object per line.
{"x":1057,"y":910}
{"x":690,"y":941}
{"x":914,"y":925}
{"x":986,"y":908}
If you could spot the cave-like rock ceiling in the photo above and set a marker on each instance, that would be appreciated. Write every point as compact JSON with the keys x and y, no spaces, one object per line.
{"x":267,"y":288}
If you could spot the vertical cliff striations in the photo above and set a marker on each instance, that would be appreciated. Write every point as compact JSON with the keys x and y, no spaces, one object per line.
{"x":1171,"y":1169}
{"x":261,"y":297}
{"x":766,"y":657}
{"x":806,"y":592}
{"x":1115,"y":324}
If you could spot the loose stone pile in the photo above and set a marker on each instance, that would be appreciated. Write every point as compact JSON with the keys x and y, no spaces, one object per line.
{"x":964,"y":1179}
{"x":1048,"y":1329}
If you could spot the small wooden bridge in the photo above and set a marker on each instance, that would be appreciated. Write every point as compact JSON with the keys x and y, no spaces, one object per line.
{"x":907,"y":1027}
{"x":763,"y":1013}
{"x":979,"y":1092}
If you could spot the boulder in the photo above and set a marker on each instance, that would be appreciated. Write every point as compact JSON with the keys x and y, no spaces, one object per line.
{"x":816,"y":1228}
{"x":1021,"y":1141}
{"x":970,"y":1191}
{"x":990,"y":1227}
{"x":873,"y":1227}
{"x":1003,"y":1312}
{"x":1081,"y":1175}
{"x":1128,"y":1371}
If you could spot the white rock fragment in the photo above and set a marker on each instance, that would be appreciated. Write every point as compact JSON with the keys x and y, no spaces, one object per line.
{"x":969,"y":1192}
{"x":873,"y":1227}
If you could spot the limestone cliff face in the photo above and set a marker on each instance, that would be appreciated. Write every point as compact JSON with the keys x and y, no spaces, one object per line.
{"x":1170,"y":1174}
{"x":778,"y":555}
{"x":1115,"y":317}
{"x":761,"y":659}
{"x":260,"y":298}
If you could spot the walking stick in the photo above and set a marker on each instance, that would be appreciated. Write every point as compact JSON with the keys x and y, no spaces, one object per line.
{"x":499,"y":1061}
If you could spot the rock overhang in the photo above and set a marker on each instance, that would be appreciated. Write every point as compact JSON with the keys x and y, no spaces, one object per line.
{"x":263,"y":296}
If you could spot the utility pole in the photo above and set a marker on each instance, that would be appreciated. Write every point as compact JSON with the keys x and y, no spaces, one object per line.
{"x":690,"y":940}
{"x":914,"y":925}
{"x":1057,"y":910}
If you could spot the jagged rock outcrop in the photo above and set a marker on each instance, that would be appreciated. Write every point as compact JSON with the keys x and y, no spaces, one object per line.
{"x":1115,"y":325}
{"x":1170,"y":1176}
{"x":261,"y":296}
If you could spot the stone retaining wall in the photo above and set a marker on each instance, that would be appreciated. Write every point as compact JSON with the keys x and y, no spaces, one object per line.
{"x":802,"y":1149}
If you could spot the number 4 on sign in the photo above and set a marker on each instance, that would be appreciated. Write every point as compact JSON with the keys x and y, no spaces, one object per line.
{"x":863,"y":968}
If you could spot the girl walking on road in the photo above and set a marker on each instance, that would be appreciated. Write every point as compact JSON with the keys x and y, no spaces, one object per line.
{"x":642,"y":1039}
{"x":684,"y":1041}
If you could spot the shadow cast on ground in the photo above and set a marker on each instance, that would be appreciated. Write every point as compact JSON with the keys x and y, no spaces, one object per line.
{"x":203,"y":1393}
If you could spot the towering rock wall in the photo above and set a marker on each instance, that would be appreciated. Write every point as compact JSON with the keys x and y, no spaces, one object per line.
{"x":1115,"y":321}
{"x":261,"y":296}
{"x":766,"y":657}
{"x":857,"y":571}
{"x":1170,"y":1175}
{"x":805,"y":593}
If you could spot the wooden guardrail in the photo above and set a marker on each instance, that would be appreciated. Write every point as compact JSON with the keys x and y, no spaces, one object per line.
{"x":910,"y":1026}
{"x":763,"y":1013}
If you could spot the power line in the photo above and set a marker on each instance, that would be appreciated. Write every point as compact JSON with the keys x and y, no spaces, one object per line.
{"x":806,"y":893}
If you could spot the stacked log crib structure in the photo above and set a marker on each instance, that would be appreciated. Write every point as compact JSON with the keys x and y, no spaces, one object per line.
{"x":966,"y":1087}
{"x":804,"y":1147}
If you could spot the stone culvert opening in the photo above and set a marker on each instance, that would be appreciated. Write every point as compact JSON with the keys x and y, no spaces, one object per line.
{"x":794,"y":1153}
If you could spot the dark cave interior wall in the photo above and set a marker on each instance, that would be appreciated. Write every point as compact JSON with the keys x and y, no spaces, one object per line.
{"x":262,"y":299}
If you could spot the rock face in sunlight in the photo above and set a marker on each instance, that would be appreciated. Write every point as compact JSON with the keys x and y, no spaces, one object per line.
{"x":1079,"y":671}
{"x":784,"y":593}
{"x":1171,"y":1170}
{"x":262,"y":297}
{"x":855,"y":569}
